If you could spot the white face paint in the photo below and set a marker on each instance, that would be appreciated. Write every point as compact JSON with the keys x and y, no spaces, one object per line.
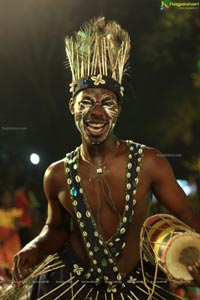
{"x":96,"y":112}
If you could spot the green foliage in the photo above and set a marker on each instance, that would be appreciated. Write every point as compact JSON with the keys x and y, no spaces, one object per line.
{"x":170,"y":50}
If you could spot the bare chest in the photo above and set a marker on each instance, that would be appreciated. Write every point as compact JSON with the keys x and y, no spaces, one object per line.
{"x":106,"y":194}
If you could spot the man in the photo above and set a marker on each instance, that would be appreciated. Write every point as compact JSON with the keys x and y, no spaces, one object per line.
{"x":101,"y":188}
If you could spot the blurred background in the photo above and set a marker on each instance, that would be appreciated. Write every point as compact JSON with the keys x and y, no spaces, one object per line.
{"x":162,"y":100}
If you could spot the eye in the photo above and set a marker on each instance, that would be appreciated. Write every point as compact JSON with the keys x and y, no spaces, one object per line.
{"x":109,"y":103}
{"x":86,"y":102}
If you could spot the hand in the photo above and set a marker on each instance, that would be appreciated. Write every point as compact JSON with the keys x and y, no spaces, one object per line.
{"x":194,"y":270}
{"x":23,"y":264}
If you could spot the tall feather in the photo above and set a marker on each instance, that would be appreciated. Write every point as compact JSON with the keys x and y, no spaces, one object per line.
{"x":99,"y":47}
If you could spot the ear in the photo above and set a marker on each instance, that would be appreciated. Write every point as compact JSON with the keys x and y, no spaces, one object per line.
{"x":71,"y":106}
{"x":119,"y":109}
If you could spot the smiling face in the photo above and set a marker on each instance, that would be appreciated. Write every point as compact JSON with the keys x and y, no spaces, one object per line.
{"x":95,"y":113}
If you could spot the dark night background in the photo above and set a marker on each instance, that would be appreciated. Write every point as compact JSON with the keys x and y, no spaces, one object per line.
{"x":162,"y":101}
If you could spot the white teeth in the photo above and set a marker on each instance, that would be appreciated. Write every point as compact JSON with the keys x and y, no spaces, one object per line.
{"x":96,"y":130}
{"x":96,"y":125}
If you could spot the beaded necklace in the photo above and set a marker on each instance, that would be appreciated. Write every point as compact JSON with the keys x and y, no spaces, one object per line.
{"x":103,"y":254}
{"x":100,"y":166}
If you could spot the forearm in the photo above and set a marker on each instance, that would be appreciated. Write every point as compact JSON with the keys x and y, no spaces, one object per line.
{"x":49,"y":241}
{"x":192,"y":219}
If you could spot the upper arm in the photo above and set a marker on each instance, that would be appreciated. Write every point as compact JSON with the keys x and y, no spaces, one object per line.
{"x":167,"y":190}
{"x":56,"y":214}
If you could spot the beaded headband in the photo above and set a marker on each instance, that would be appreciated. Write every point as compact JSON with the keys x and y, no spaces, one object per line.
{"x":97,"y":55}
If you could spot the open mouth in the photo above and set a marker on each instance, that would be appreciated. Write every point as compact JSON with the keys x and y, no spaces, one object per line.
{"x":96,"y":127}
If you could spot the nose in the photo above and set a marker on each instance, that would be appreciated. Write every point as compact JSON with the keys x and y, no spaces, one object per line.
{"x":97,"y":110}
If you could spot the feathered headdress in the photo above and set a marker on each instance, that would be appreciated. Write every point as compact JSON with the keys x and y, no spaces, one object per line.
{"x":97,"y":55}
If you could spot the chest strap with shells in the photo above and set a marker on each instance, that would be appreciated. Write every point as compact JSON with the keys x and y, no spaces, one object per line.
{"x":103,"y":254}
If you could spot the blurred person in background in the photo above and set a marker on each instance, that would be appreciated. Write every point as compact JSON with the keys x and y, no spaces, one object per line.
{"x":9,"y":237}
{"x":23,"y":202}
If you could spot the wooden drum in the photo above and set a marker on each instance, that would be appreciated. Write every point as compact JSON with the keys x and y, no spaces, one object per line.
{"x":170,"y":243}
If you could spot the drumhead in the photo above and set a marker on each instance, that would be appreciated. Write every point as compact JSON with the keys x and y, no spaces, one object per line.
{"x":184,"y":250}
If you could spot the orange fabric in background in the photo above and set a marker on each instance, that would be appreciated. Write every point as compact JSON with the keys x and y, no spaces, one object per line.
{"x":8,"y":248}
{"x":22,"y":203}
{"x":11,"y":245}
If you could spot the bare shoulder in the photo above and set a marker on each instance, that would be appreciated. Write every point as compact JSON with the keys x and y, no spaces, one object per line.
{"x":54,"y":177}
{"x":54,"y":168}
{"x":156,"y":164}
{"x":153,"y":157}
